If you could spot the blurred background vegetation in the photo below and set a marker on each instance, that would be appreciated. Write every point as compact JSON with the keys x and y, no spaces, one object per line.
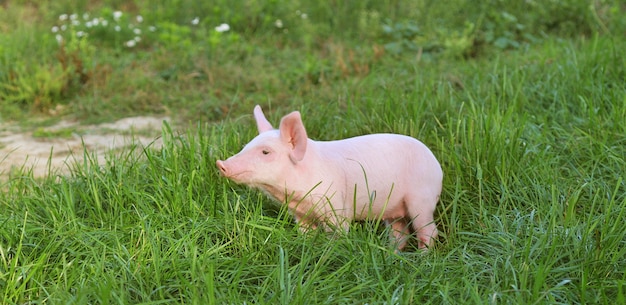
{"x":204,"y":60}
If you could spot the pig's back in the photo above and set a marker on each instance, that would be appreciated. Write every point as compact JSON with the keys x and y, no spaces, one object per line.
{"x":383,"y":152}
{"x":384,"y":162}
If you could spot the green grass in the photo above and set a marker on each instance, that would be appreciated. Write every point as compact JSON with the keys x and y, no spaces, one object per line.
{"x":532,"y":140}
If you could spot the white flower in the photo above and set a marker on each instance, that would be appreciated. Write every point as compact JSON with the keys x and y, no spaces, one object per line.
{"x":55,"y":29}
{"x":59,"y":38}
{"x":95,"y":21}
{"x":222,"y":28}
{"x":137,"y":38}
{"x":195,"y":21}
{"x":80,"y":34}
{"x":88,"y":24}
{"x":86,"y":16}
{"x":117,"y":15}
{"x":152,"y":28}
{"x":139,"y":19}
{"x":63,"y":17}
{"x":278,"y":23}
{"x":118,"y":28}
{"x":304,"y":16}
{"x":63,"y":27}
{"x":137,"y":31}
{"x":75,"y":22}
{"x":105,"y":22}
{"x":73,"y":17}
{"x":130,"y":43}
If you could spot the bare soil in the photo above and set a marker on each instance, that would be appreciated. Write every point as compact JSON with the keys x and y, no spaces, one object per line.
{"x":58,"y":146}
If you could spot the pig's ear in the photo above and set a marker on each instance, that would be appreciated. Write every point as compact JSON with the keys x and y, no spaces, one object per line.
{"x":293,"y":133}
{"x":261,"y":122}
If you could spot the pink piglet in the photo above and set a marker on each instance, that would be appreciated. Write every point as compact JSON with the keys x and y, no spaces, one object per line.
{"x":391,"y":177}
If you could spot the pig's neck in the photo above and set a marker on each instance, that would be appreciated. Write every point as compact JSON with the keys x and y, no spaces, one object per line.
{"x":282,"y":195}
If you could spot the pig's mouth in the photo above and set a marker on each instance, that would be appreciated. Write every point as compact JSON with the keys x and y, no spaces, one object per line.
{"x":234,"y":176}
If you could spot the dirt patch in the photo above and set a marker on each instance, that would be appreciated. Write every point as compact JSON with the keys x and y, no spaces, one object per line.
{"x":60,"y":145}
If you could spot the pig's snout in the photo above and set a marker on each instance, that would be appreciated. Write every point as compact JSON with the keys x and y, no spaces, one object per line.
{"x":230,"y":169}
{"x":222,"y":168}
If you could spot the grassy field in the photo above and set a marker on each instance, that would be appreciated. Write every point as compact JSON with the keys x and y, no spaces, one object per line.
{"x":522,"y":102}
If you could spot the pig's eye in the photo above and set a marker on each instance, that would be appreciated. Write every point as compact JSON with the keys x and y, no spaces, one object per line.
{"x":266,"y":152}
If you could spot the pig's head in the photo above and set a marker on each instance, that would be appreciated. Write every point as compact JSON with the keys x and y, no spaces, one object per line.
{"x":267,"y":161}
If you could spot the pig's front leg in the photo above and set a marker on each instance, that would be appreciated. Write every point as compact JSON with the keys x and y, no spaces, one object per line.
{"x":305,"y":224}
{"x":336,"y":222}
{"x":303,"y":214}
{"x":305,"y":227}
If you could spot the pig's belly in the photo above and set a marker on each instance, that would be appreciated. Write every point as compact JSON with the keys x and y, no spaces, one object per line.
{"x":382,"y":201}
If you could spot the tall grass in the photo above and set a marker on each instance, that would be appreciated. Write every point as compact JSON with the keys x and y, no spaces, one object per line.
{"x":532,"y":142}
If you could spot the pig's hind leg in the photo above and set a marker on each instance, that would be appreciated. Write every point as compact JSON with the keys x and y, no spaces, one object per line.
{"x":420,"y":210}
{"x":400,"y":232}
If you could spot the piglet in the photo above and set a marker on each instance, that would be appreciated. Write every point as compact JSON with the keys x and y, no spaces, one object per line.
{"x":391,"y":177}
